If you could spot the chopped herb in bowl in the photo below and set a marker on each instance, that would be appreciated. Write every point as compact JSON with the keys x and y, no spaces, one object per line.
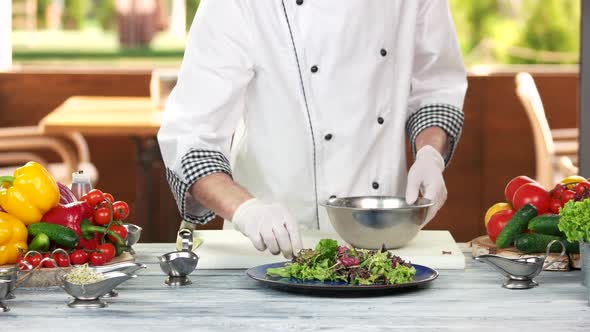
{"x":82,"y":275}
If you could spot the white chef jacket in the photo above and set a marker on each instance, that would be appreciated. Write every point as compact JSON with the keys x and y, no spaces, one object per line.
{"x":326,"y":91}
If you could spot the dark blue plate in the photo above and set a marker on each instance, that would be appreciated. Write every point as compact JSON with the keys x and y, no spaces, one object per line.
{"x":423,"y":276}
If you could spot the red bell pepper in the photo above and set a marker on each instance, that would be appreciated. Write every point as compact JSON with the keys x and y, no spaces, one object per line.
{"x":75,"y":217}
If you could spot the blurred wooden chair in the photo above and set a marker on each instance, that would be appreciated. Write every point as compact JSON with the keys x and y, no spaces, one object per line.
{"x":19,"y":145}
{"x":556,"y":150}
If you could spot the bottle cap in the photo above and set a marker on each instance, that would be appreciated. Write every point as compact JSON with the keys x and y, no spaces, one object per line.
{"x":80,"y":177}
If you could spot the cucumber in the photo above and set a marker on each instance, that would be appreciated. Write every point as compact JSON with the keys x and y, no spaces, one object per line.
{"x":537,"y":243}
{"x":58,"y":234}
{"x":40,"y":242}
{"x":516,"y":225}
{"x":546,"y":224}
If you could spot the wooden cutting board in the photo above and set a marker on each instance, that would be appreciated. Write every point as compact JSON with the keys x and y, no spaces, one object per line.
{"x":483,"y":245}
{"x":47,"y":277}
{"x":229,"y":249}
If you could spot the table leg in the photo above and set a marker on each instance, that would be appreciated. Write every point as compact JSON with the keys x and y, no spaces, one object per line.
{"x":146,"y":192}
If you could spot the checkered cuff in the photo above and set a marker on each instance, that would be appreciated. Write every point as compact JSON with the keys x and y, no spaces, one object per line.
{"x":195,"y":165}
{"x":447,"y":117}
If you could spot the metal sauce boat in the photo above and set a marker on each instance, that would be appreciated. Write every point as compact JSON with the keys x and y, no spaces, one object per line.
{"x":88,"y":296}
{"x":179,"y":264}
{"x":520,"y":273}
{"x":11,"y":278}
{"x":125,"y":267}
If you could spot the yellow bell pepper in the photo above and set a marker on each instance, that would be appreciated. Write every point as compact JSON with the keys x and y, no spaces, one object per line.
{"x":13,"y":238}
{"x":31,"y":193}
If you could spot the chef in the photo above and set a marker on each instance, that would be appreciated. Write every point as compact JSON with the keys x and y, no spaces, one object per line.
{"x":283,"y":104}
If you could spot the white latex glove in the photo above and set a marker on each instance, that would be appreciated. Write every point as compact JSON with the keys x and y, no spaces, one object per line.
{"x":268,"y":226}
{"x":426,"y":176}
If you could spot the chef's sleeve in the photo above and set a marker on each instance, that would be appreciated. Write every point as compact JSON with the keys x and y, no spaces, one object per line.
{"x":439,"y":80}
{"x":206,"y":104}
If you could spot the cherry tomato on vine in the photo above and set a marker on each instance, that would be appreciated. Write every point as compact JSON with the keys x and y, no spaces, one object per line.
{"x":109,"y":197}
{"x":119,"y":230}
{"x":47,"y":263}
{"x":61,"y":259}
{"x":97,"y":258}
{"x":108,"y":250}
{"x":78,"y":257}
{"x":94,"y":197}
{"x":102,"y":215}
{"x":34,"y":259}
{"x":120,"y":210}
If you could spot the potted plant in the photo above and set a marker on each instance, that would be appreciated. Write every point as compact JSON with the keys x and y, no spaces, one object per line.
{"x":574,"y":222}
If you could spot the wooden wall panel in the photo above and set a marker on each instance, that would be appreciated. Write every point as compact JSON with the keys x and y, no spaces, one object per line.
{"x":496,"y":142}
{"x":463,"y":175}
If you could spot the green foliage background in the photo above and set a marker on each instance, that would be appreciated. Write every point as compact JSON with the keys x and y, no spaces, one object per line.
{"x":543,"y":25}
{"x":74,"y":15}
{"x":489,"y":31}
{"x":191,"y":10}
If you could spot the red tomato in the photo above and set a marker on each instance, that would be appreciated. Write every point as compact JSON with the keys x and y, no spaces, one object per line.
{"x":109,"y":197}
{"x":34,"y":259}
{"x":96,"y":258}
{"x":557,"y":191}
{"x":497,"y":223}
{"x":120,"y":210}
{"x":555,"y":205}
{"x":102,"y":216}
{"x":61,"y":259}
{"x":582,"y":188}
{"x":513,"y":186}
{"x":48,"y":263}
{"x":532,"y":193}
{"x":567,"y":196}
{"x":94,"y":197}
{"x":78,"y":257}
{"x":119,"y":230}
{"x":108,"y":250}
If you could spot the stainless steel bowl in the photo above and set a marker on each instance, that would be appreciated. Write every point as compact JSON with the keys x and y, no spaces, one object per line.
{"x":133,"y":233}
{"x":370,"y":222}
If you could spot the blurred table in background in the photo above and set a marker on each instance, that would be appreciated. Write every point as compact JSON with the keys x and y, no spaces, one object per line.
{"x":134,"y":117}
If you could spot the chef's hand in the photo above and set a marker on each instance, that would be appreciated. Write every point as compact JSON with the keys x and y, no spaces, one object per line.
{"x":426,"y":176}
{"x":268,"y":226}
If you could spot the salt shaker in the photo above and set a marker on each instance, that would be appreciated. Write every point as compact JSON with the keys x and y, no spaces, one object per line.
{"x":80,"y":184}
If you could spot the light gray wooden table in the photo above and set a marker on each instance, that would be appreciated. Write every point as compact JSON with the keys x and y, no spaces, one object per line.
{"x":227,"y":299}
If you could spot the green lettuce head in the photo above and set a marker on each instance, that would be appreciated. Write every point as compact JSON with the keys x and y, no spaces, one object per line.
{"x":574,"y":220}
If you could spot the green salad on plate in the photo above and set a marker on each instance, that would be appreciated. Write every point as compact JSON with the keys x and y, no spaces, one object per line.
{"x":331,"y":262}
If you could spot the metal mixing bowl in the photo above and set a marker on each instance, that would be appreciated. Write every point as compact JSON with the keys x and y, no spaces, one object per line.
{"x":370,"y":222}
